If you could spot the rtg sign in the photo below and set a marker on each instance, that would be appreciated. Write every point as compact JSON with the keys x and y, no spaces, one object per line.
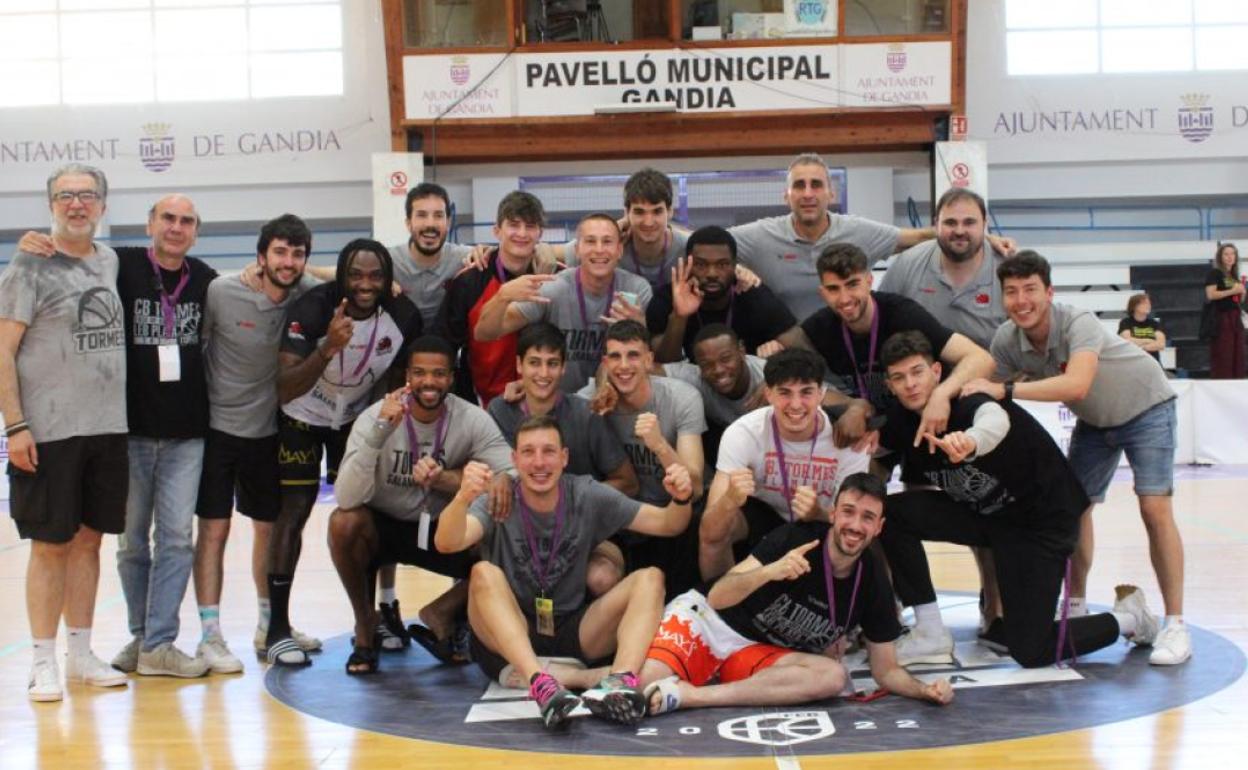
{"x":799,"y":77}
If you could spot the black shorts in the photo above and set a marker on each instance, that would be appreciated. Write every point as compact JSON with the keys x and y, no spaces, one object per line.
{"x":242,"y":469}
{"x":400,"y":543}
{"x":566,"y":643}
{"x":300,"y":448}
{"x":79,"y":480}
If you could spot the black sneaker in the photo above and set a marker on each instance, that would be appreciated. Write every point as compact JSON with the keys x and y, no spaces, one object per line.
{"x":554,"y":701}
{"x":394,"y":636}
{"x":617,"y":698}
{"x":993,"y":637}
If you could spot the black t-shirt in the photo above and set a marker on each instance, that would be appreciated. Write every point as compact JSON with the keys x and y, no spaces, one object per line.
{"x":176,"y":409}
{"x":897,"y":314}
{"x":1025,"y":476}
{"x":758,"y":316}
{"x":1221,"y":281}
{"x":1142,"y":330}
{"x":794,"y":613}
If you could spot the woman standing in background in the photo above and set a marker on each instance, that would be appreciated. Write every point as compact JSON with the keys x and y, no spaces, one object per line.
{"x":1224,"y":290}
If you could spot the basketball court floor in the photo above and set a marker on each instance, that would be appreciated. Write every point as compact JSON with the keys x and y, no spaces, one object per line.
{"x":1110,"y":710}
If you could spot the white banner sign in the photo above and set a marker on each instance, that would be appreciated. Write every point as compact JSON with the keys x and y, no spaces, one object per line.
{"x":963,"y":165}
{"x":692,"y":80}
{"x":394,"y":173}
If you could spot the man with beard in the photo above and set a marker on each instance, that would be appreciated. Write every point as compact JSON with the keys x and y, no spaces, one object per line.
{"x":581,"y":302}
{"x":703,"y":292}
{"x":241,"y":339}
{"x":776,"y":464}
{"x":425,"y":265}
{"x":850,"y":329}
{"x":1000,"y":482}
{"x":393,"y":483}
{"x":340,"y":340}
{"x":773,"y":628}
{"x":62,"y":392}
{"x":527,"y":595}
{"x":954,"y":276}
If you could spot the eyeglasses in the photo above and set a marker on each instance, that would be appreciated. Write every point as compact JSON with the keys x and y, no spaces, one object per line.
{"x":86,"y":197}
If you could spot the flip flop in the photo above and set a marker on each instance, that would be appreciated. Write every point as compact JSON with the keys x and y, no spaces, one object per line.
{"x":283,"y":646}
{"x":442,"y":649}
{"x":362,"y":656}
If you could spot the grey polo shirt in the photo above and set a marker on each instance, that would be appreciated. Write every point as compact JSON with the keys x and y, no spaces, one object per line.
{"x":1128,"y":381}
{"x":786,"y":263}
{"x":974,"y":309}
{"x":426,"y":286}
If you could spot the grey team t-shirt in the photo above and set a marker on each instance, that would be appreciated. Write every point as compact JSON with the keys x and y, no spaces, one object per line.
{"x":426,"y":286}
{"x":658,"y":275}
{"x":593,"y":512}
{"x":720,"y":409}
{"x":593,"y":448}
{"x":71,"y":365}
{"x":376,"y":469}
{"x":974,"y":310}
{"x":1127,"y":383}
{"x":241,"y":337}
{"x":786,"y":263}
{"x":585,"y":336}
{"x":679,"y":409}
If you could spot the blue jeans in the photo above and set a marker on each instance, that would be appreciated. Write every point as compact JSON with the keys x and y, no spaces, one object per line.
{"x":1149,"y":441}
{"x":164,"y":484}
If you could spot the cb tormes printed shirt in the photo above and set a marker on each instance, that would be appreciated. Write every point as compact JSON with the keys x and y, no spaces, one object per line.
{"x":794,"y":613}
{"x":345,"y":388}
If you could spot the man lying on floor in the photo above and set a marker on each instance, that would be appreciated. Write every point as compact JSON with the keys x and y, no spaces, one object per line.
{"x":773,"y":628}
{"x":527,"y":597}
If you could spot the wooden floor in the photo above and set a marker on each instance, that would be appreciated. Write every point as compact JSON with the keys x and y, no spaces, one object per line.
{"x":231,"y":722}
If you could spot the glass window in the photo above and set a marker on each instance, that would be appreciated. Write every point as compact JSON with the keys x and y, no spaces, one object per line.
{"x":604,"y":21}
{"x":1030,"y":14}
{"x":52,"y":51}
{"x":896,"y":17}
{"x":453,"y":23}
{"x":1154,"y":13}
{"x":1032,"y":52}
{"x":757,"y":19}
{"x":1146,"y":49}
{"x":1221,"y":48}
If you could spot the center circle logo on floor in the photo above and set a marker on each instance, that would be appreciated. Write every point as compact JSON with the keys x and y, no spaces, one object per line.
{"x":415,"y":697}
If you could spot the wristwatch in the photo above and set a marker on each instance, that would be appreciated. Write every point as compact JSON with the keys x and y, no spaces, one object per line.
{"x":1009,"y":392}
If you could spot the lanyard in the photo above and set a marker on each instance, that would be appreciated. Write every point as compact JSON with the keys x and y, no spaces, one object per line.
{"x":524,"y":405}
{"x":498,"y":267}
{"x":580,"y":300}
{"x":439,"y":435}
{"x":658,"y":278}
{"x":849,"y":348}
{"x":169,"y":302}
{"x":368,"y":351}
{"x":541,"y":570}
{"x":784,"y":469}
{"x":827,"y":579}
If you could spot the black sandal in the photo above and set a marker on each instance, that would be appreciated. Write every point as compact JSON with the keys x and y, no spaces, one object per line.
{"x":442,"y":649}
{"x":362,"y":656}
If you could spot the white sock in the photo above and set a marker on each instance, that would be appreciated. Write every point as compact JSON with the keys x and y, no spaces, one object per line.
{"x":263,"y":623}
{"x":927,"y":618}
{"x":1078,"y":607}
{"x":79,"y":641}
{"x":1126,"y":623}
{"x":45,"y":649}
{"x":1175,"y":620}
{"x":388,"y":595}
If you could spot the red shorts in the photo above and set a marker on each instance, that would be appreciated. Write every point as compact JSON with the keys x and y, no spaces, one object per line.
{"x":696,"y":644}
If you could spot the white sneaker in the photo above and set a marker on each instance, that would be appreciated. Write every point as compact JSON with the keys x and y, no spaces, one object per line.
{"x":305,"y":642}
{"x":167,"y":660}
{"x":89,"y":669}
{"x":925,"y":647}
{"x":1172,"y":646}
{"x":127,"y":660}
{"x":1129,"y":599}
{"x":216,"y":653}
{"x":45,"y":682}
